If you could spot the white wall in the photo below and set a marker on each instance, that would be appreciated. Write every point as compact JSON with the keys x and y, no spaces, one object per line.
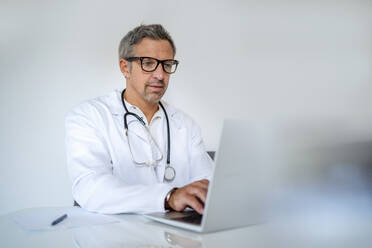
{"x":252,"y":59}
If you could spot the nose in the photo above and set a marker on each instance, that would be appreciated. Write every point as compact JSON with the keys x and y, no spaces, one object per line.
{"x":159,"y":73}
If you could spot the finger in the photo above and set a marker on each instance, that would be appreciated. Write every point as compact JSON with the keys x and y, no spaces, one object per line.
{"x":204,"y":181}
{"x":195,"y":204}
{"x":203,"y":184}
{"x":198,"y":192}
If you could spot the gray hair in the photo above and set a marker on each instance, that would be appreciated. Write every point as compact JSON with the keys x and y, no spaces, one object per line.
{"x":135,"y":36}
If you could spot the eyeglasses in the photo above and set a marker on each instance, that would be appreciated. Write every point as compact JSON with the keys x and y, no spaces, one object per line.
{"x":149,"y":64}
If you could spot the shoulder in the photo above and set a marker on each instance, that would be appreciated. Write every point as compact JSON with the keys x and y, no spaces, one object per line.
{"x":106,"y":104}
{"x":94,"y":112}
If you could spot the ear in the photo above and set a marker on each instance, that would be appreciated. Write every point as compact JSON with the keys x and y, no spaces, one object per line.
{"x":124,"y":67}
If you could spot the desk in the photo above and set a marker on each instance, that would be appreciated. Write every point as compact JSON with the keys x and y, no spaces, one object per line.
{"x":137,"y":231}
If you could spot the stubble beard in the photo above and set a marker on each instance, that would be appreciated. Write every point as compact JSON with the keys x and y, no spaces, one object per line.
{"x":153,"y":97}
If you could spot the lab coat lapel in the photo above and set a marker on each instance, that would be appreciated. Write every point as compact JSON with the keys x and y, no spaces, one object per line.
{"x":175,"y":117}
{"x":176,"y":130}
{"x":116,"y":108}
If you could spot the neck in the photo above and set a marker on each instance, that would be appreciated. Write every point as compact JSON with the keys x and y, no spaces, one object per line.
{"x":147,"y":108}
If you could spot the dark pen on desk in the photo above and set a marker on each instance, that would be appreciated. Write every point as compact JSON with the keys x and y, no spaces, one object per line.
{"x":59,"y":220}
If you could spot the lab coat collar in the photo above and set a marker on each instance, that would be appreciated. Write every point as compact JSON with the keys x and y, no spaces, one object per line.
{"x":116,"y":107}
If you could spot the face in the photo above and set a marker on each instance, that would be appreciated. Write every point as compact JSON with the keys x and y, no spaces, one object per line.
{"x":147,"y":86}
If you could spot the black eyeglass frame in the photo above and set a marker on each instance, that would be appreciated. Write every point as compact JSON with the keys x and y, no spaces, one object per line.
{"x":131,"y":59}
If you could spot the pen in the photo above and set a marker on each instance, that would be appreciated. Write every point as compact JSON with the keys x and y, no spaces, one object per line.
{"x":59,"y":220}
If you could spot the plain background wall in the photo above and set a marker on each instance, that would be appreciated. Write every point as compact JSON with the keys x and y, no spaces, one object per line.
{"x":307,"y":60}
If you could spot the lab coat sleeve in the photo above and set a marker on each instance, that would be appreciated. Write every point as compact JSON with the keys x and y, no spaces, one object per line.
{"x":94,"y":186}
{"x":201,"y":163}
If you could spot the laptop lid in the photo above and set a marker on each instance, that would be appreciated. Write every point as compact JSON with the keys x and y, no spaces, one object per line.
{"x":236,"y":192}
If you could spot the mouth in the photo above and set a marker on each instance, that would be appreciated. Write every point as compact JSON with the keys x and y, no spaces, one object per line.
{"x":156,"y":87}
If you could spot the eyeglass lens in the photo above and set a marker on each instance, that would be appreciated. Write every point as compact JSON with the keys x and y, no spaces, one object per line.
{"x":150,"y":64}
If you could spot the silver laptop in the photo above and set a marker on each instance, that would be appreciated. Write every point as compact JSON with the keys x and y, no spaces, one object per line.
{"x":235,"y":192}
{"x":261,"y":170}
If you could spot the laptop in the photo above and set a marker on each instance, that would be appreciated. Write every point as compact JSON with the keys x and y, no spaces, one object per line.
{"x":235,"y":191}
{"x":256,"y":164}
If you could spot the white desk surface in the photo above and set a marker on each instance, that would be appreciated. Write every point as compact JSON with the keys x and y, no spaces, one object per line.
{"x":137,"y":231}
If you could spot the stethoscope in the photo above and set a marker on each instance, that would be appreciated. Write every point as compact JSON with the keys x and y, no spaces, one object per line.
{"x":170,"y":172}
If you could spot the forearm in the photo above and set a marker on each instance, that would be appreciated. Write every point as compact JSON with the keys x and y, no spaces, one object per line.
{"x":110,"y":195}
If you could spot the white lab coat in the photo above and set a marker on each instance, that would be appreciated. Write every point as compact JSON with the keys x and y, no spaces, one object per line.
{"x":104,"y":177}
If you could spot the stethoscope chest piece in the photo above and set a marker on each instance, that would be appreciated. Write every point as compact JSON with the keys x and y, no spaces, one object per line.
{"x":169,"y":173}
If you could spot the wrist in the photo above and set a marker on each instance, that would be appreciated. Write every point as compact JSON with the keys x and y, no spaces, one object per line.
{"x":167,"y":198}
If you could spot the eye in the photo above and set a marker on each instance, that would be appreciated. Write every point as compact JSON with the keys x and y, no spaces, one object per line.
{"x":168,"y":65}
{"x":148,"y":63}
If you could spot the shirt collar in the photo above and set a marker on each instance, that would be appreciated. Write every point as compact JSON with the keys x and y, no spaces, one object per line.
{"x":116,"y":108}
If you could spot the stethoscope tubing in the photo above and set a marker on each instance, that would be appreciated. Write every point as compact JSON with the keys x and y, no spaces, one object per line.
{"x":143,"y":123}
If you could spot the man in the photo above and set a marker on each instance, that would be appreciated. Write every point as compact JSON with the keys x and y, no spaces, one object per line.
{"x":118,"y":145}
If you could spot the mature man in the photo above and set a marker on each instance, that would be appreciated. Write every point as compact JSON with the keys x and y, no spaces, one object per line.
{"x":130,"y":152}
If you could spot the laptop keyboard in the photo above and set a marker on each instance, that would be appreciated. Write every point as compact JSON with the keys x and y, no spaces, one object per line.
{"x":193,"y":218}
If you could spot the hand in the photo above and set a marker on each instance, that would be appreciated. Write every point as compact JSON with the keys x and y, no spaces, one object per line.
{"x":192,"y":195}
